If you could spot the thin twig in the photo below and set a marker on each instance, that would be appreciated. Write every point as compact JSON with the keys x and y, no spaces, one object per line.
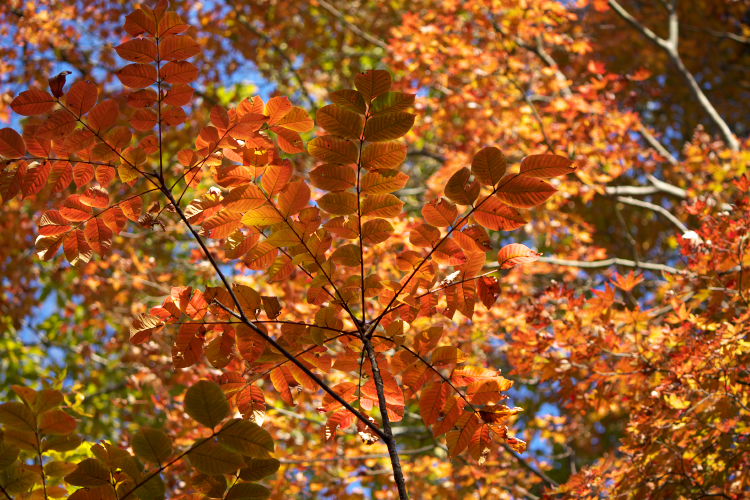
{"x":289,"y":63}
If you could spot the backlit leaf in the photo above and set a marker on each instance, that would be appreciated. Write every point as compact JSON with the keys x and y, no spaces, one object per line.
{"x":546,"y":165}
{"x":12,"y":144}
{"x":514,"y":254}
{"x":339,"y":203}
{"x":382,"y":155}
{"x":137,"y":75}
{"x":524,"y":192}
{"x":32,"y":102}
{"x":381,"y":205}
{"x":99,"y":236}
{"x":339,"y":121}
{"x":333,"y":149}
{"x":388,"y":126}
{"x":495,"y":215}
{"x":81,"y":97}
{"x":372,"y":83}
{"x":440,"y":212}
{"x":489,"y":165}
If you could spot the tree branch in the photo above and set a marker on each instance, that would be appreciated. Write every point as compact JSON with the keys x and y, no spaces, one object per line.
{"x":656,"y":208}
{"x":398,"y":473}
{"x":323,"y":385}
{"x":615,"y":261}
{"x":670,"y":46}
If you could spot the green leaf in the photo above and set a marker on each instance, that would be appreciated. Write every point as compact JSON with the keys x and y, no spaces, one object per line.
{"x":349,"y":99}
{"x":248,"y":491}
{"x":8,"y":454}
{"x":152,"y":445}
{"x":17,"y":416}
{"x":206,"y":403}
{"x":89,"y":472}
{"x":246,"y":437}
{"x":388,"y":126}
{"x":258,"y":468}
{"x":392,"y":101}
{"x":212,"y":458}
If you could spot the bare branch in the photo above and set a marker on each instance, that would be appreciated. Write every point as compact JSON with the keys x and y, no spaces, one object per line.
{"x":658,"y":146}
{"x":615,"y":261}
{"x":656,"y":208}
{"x":670,"y":47}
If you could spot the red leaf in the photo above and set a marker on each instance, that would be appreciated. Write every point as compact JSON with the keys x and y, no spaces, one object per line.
{"x":32,"y":102}
{"x":12,"y":144}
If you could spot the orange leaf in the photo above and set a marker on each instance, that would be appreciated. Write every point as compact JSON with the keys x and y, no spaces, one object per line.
{"x":432,"y":400}
{"x":489,"y":166}
{"x":143,"y":326}
{"x":514,"y":254}
{"x":276,"y":177}
{"x":440,"y":212}
{"x":372,"y":83}
{"x":382,"y":155}
{"x":381,"y":205}
{"x":98,"y":235}
{"x":349,"y":99}
{"x":277,"y":107}
{"x":73,"y":210}
{"x":495,"y":215}
{"x":332,"y":149}
{"x":77,"y":249}
{"x":96,"y":197}
{"x":383,"y":181}
{"x":458,"y":440}
{"x":339,"y":121}
{"x":138,"y":22}
{"x":295,"y":119}
{"x":294,"y":198}
{"x":334,"y":177}
{"x":459,"y":190}
{"x":388,"y":126}
{"x":340,"y":203}
{"x":376,"y":231}
{"x":546,"y":165}
{"x":524,"y":192}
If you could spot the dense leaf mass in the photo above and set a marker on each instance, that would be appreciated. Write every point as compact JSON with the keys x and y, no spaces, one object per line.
{"x":372,"y":249}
